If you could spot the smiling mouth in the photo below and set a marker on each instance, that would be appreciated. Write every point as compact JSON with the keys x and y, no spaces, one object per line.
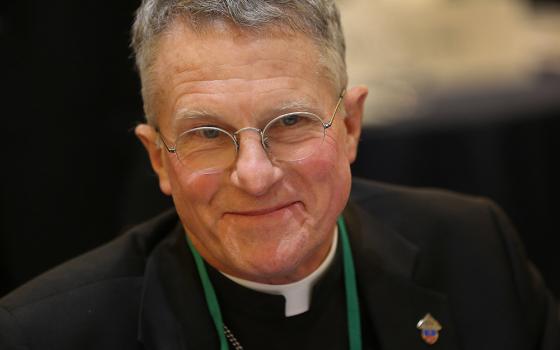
{"x":261,"y":212}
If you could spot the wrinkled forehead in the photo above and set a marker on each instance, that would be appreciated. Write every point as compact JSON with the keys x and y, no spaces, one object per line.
{"x":223,"y":58}
{"x":186,"y":48}
{"x":208,"y":28}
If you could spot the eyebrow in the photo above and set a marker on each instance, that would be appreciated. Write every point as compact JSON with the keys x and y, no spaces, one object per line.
{"x":186,"y":113}
{"x":288,"y":106}
{"x":301,"y":104}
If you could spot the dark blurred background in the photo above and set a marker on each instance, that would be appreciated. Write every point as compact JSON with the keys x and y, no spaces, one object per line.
{"x":74,"y":176}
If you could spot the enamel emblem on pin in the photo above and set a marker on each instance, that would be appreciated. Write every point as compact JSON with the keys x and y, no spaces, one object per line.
{"x":429,"y":329}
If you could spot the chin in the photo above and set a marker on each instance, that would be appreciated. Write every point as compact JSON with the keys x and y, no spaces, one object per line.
{"x":275,"y":274}
{"x":284,"y":265}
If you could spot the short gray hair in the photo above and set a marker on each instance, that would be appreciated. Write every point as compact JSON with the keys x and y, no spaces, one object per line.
{"x":317,"y":19}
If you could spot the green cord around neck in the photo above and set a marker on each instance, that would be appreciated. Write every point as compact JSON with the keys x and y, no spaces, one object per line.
{"x":352,"y":302}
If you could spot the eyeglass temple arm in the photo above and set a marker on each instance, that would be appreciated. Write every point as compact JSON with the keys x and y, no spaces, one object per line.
{"x":340,"y":98}
{"x":167,"y":147}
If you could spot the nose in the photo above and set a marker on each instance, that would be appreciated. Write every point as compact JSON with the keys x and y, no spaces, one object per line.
{"x":253,"y":171}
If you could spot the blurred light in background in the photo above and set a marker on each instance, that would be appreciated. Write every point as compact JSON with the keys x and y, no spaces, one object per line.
{"x":414,"y":52}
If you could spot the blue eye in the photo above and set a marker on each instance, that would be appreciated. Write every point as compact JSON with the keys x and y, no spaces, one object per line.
{"x":210,"y":133}
{"x":290,"y":120}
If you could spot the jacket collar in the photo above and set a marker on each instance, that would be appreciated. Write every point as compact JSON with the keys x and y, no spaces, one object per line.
{"x":384,"y":262}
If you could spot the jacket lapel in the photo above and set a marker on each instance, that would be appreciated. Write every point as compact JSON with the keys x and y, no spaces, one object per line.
{"x":392,"y":301}
{"x":173,"y":312}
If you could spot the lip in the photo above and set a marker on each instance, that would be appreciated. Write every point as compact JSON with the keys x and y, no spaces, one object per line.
{"x":263,"y":211}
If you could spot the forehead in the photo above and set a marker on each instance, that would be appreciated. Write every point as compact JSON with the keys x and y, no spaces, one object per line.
{"x":225,"y":67}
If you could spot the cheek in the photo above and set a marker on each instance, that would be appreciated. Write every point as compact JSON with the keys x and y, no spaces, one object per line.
{"x":192,"y":189}
{"x":327,"y":173}
{"x":328,"y":163}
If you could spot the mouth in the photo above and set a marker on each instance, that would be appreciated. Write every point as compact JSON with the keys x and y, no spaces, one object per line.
{"x":263,"y":211}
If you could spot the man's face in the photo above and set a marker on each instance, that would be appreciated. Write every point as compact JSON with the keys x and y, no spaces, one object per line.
{"x":262,"y":220}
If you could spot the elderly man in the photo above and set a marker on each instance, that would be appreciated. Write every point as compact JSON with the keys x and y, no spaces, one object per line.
{"x":251,"y":130}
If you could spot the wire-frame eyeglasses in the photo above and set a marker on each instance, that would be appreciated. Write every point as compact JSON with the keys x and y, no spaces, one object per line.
{"x":289,"y":137}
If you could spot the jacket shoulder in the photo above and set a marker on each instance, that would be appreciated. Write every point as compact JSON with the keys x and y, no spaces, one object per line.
{"x":122,"y":258}
{"x":94,"y":295}
{"x":383,"y":198}
{"x":439,"y":221}
{"x":470,"y":245}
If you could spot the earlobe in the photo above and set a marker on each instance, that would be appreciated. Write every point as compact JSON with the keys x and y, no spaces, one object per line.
{"x":354,"y":102}
{"x":148,"y":137}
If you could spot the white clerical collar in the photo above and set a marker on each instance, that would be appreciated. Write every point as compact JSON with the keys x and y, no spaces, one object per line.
{"x":297,"y":294}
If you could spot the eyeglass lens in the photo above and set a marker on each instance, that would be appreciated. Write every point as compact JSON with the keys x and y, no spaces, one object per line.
{"x":290,"y":137}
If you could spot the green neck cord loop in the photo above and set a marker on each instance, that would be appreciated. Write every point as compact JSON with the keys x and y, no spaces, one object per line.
{"x":210,"y":296}
{"x":352,"y":303}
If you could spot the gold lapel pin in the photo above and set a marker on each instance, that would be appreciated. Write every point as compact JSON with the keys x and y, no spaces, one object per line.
{"x":429,"y":329}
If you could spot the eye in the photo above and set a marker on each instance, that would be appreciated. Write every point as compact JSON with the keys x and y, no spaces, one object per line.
{"x":210,"y":133}
{"x":290,"y":119}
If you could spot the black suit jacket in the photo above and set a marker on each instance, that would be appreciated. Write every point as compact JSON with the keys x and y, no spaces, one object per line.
{"x":415,"y":251}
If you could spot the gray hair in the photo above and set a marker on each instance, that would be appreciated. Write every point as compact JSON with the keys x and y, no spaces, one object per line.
{"x":317,"y":19}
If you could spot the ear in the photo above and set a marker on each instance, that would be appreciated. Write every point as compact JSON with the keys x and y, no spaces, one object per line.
{"x":354,"y":101}
{"x":149,"y":139}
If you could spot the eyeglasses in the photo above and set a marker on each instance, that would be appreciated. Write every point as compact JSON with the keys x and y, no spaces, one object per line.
{"x":289,"y":137}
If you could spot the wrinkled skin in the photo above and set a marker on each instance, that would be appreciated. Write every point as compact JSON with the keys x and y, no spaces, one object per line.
{"x":261,"y":220}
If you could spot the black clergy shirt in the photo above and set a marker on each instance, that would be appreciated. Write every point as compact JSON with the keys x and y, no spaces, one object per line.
{"x":258,"y":319}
